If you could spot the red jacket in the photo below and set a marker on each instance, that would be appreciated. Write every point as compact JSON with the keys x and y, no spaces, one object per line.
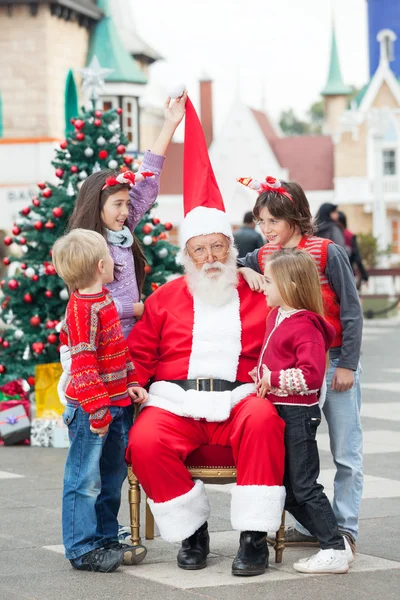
{"x":101,"y":369}
{"x":295,"y":353}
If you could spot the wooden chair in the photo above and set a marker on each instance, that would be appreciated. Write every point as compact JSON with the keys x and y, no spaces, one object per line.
{"x":211,"y":464}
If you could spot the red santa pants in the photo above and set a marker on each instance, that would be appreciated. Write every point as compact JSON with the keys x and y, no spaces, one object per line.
{"x":160,"y":441}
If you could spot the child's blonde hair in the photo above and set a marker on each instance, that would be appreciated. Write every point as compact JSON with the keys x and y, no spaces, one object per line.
{"x":297,"y":279}
{"x":76,"y":256}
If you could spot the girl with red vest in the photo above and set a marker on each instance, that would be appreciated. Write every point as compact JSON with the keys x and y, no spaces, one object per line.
{"x":290,"y":373}
{"x":283,"y":214}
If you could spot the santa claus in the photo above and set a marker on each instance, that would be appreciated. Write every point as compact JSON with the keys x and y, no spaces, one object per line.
{"x":199,"y":338}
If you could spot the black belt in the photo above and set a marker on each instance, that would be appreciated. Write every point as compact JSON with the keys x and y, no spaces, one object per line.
{"x":206,"y":384}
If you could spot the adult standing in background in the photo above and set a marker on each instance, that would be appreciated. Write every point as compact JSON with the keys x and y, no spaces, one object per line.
{"x":327,"y":225}
{"x":247,"y":239}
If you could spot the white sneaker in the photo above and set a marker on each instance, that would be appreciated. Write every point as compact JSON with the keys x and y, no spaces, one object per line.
{"x":325,"y":561}
{"x":349,"y":553}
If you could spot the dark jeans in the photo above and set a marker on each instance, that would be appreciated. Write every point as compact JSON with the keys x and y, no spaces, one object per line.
{"x":305,"y":498}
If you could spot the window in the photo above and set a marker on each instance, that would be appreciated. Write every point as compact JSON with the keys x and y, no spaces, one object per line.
{"x":130,"y":121}
{"x":108,"y":102}
{"x":389,"y":162}
{"x":396,"y":236}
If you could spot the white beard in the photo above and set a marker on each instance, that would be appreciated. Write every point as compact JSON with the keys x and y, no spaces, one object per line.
{"x":217,"y":287}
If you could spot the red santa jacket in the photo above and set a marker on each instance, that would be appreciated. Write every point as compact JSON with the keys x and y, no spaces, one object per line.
{"x":295,"y":353}
{"x":179,"y":337}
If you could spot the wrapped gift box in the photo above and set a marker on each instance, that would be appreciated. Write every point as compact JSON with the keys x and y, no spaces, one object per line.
{"x":14,"y":425}
{"x":49,"y":433}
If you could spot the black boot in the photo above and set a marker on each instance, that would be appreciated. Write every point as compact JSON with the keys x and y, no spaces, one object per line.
{"x":252,"y":556}
{"x":194,"y":550}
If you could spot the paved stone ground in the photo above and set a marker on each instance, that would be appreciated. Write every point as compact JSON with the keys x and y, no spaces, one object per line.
{"x":32,"y":565}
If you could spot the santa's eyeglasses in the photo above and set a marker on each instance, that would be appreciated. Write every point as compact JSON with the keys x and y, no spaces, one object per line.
{"x":200,"y":254}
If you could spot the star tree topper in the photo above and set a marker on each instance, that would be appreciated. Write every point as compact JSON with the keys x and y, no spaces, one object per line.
{"x":93,"y":76}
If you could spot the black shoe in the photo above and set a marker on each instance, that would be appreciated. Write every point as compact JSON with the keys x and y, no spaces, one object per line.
{"x":194,"y":550}
{"x":132,"y":555}
{"x":252,"y":556}
{"x":100,"y":559}
{"x":295,"y":539}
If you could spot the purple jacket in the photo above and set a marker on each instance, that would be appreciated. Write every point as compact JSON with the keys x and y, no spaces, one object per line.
{"x":124,"y":288}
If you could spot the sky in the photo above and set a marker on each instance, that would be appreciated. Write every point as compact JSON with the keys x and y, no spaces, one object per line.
{"x":275,"y":52}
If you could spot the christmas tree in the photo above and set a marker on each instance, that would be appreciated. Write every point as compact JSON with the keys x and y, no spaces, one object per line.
{"x":34,"y":296}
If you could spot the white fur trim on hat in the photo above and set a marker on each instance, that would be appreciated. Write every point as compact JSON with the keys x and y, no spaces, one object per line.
{"x":257,"y":507}
{"x":203,"y":221}
{"x":179,"y":518}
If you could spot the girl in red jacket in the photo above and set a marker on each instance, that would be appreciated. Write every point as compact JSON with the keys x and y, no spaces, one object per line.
{"x":290,"y":373}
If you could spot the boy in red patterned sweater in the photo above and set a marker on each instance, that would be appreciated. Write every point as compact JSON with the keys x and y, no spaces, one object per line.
{"x":102,"y":382}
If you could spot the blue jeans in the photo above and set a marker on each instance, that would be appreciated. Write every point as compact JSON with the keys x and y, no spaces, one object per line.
{"x":305,"y":498}
{"x":93,"y":477}
{"x":342,"y":413}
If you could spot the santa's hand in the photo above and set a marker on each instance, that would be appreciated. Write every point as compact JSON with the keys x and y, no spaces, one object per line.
{"x":65,"y":358}
{"x":253,"y":374}
{"x":138,"y":395}
{"x":254,"y":280}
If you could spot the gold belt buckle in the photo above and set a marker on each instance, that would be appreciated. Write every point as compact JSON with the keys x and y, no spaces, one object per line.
{"x":210,"y":379}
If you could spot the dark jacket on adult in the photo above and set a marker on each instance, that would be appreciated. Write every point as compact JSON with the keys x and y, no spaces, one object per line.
{"x":247,"y":240}
{"x":328,"y":228}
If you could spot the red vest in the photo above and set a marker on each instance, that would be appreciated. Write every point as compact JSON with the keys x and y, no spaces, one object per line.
{"x":318,"y":249}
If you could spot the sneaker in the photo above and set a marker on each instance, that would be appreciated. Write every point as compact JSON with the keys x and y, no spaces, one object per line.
{"x":132,"y":555}
{"x":124,"y":533}
{"x":348,"y":550}
{"x":100,"y":559}
{"x":350,"y":539}
{"x":295,"y":538}
{"x":325,"y":561}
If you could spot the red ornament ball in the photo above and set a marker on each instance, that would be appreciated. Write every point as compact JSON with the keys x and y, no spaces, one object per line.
{"x":49,"y":225}
{"x":168,"y":226}
{"x":50,"y":324}
{"x":74,"y":169}
{"x":35,"y":277}
{"x":48,"y":293}
{"x":6,"y":344}
{"x":50,"y":270}
{"x":128,"y":160}
{"x":35,"y":201}
{"x":6,"y":261}
{"x":34,"y":321}
{"x":97,"y":122}
{"x":23,"y":266}
{"x":47,"y":193}
{"x":38,"y":347}
{"x":156,"y":221}
{"x":121,"y":149}
{"x":31,"y":381}
{"x":147,"y":269}
{"x":103,"y":154}
{"x":64,"y":145}
{"x":38,"y":225}
{"x":147,"y":229}
{"x":22,"y":241}
{"x":59,"y":173}
{"x":79,"y":124}
{"x":58,"y":212}
{"x":2,"y":369}
{"x":98,"y":113}
{"x":52,"y":338}
{"x":72,"y":121}
{"x":13,"y":284}
{"x":16,"y":230}
{"x":25,"y":211}
{"x":8,"y":240}
{"x":41,"y":186}
{"x":80,"y":136}
{"x":119,"y":111}
{"x":28,"y":298}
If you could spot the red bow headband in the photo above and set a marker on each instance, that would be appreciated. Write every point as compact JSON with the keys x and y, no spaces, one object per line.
{"x":126,"y":177}
{"x":271,"y":184}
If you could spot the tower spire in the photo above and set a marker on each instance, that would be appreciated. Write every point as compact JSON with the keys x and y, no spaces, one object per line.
{"x":335,"y":85}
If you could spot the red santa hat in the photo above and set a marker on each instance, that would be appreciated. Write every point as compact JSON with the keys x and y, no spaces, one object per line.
{"x":202,"y":200}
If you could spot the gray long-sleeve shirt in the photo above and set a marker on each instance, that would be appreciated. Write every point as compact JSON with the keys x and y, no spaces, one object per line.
{"x":341,"y":279}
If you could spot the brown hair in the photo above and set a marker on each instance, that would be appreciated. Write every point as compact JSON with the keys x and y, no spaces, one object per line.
{"x":296,"y":276}
{"x":76,"y":256}
{"x":87,"y":215}
{"x":296,"y":213}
